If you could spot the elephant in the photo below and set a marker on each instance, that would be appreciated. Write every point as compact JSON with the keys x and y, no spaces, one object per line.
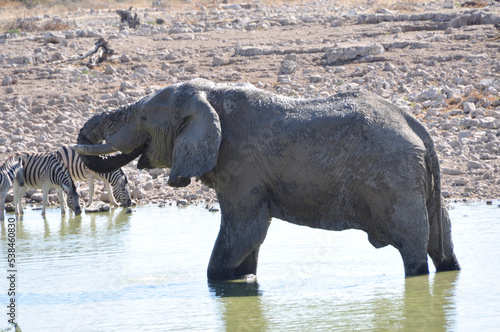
{"x":348,"y":161}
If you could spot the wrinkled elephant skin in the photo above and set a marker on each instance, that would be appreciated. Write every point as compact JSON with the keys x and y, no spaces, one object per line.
{"x":348,"y":161}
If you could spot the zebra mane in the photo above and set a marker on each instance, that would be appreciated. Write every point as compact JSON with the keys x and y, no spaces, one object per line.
{"x":11,"y":160}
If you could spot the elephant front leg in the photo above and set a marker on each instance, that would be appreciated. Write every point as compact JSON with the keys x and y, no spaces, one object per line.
{"x":236,"y":250}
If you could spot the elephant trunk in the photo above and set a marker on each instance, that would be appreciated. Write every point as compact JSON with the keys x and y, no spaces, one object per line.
{"x":95,"y":131}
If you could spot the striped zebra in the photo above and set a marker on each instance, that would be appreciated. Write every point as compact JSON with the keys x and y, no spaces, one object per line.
{"x":115,"y":182}
{"x":11,"y":174}
{"x":43,"y":170}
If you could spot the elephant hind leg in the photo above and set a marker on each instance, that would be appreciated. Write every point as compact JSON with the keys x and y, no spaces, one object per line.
{"x":410,"y":235}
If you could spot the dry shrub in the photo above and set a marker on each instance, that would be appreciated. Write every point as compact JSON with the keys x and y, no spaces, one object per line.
{"x":32,"y":24}
{"x":24,"y":24}
{"x":57,"y":25}
{"x":398,"y":5}
{"x":474,"y":4}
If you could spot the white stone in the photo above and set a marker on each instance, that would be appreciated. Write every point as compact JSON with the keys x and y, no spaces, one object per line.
{"x":469,"y":107}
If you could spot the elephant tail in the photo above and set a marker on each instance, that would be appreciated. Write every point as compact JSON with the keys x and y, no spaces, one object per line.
{"x":434,"y":206}
{"x":440,"y":245}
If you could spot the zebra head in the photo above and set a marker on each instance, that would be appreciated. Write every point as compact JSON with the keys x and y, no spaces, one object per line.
{"x":119,"y":184}
{"x":14,"y":166}
{"x":19,"y":170}
{"x":73,"y":199}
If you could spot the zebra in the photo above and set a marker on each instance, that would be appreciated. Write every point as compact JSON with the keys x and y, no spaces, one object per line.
{"x":43,"y":170}
{"x":115,"y":182}
{"x":11,"y":174}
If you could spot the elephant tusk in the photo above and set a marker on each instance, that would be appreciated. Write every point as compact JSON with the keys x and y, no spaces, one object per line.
{"x":94,"y":150}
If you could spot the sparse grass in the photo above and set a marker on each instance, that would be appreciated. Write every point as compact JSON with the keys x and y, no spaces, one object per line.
{"x":454,"y":104}
{"x":12,"y":31}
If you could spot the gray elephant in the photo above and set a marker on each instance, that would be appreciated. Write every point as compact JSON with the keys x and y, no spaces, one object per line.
{"x":348,"y":161}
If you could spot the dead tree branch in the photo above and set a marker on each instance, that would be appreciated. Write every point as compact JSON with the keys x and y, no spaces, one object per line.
{"x":98,"y":55}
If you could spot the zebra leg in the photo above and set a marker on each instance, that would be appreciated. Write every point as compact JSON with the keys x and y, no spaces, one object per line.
{"x":91,"y":188}
{"x":110,"y":193}
{"x":62,"y":201}
{"x":45,"y":197}
{"x":3,"y":196}
{"x":18,"y":198}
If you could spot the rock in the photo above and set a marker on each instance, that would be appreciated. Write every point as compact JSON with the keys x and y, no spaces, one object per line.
{"x":287,"y":67}
{"x":349,"y":53}
{"x":53,"y":37}
{"x":124,"y":58}
{"x":315,"y":78}
{"x":450,"y":171}
{"x":7,"y":80}
{"x":460,"y":182}
{"x":474,"y":165}
{"x":252,"y":51}
{"x":218,"y":61}
{"x":337,"y":23}
{"x":9,"y":198}
{"x":10,"y":208}
{"x":110,"y":70}
{"x":148,"y":186}
{"x":211,"y":208}
{"x":417,"y":45}
{"x":431,"y":94}
{"x":57,"y":56}
{"x":37,"y":197}
{"x":97,"y":207}
{"x":156,"y":172}
{"x":469,"y":107}
{"x":104,"y":197}
{"x":138,"y":193}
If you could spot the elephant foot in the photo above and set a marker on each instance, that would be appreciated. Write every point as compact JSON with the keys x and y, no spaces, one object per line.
{"x":448,"y":265}
{"x":232,"y":289}
{"x":231,"y":277}
{"x":412,"y":271}
{"x":247,"y":278}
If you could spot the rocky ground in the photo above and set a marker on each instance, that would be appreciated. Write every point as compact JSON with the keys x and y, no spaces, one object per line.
{"x":440,"y":61}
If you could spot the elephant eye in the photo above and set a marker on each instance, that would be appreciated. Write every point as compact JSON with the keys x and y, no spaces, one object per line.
{"x":143,"y":117}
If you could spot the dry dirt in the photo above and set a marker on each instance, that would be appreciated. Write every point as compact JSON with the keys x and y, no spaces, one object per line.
{"x":291,"y":50}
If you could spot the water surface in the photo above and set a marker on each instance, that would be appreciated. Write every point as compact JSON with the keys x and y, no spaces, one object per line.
{"x":147,"y":271}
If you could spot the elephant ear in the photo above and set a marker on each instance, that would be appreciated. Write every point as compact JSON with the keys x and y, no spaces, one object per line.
{"x":196,"y":147}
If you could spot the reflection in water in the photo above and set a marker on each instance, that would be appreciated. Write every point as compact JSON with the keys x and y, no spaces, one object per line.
{"x":423,"y":303}
{"x":419,"y":303}
{"x":69,"y":225}
{"x":240,"y":305}
{"x":430,"y":307}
